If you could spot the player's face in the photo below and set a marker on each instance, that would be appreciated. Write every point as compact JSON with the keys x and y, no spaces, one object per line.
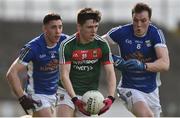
{"x":53,"y":31}
{"x":88,"y":30}
{"x":140,"y":23}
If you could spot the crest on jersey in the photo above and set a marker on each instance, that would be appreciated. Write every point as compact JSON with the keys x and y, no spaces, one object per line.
{"x":52,"y":53}
{"x":95,"y":53}
{"x":148,"y":43}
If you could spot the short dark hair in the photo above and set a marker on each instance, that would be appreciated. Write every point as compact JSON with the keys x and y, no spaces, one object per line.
{"x":139,"y":7}
{"x":86,"y":14}
{"x":50,"y":17}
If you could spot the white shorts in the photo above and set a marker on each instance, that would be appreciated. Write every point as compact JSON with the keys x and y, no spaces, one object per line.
{"x":131,"y":96}
{"x":64,"y":98}
{"x":45,"y":101}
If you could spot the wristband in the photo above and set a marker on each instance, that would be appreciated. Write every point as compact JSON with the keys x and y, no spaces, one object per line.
{"x":74,"y":99}
{"x":22,"y":98}
{"x":112,"y":98}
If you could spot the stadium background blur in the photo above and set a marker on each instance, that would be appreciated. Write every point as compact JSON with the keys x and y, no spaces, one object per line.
{"x":20,"y":21}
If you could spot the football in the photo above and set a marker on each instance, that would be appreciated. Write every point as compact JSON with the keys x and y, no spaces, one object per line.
{"x":94,"y":101}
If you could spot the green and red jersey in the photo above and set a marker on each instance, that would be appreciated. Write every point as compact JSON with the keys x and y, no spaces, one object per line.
{"x":85,"y":60}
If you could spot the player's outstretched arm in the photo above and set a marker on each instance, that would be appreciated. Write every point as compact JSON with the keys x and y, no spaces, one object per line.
{"x":162,"y":63}
{"x":111,"y":80}
{"x":65,"y":71}
{"x":66,"y":82}
{"x":13,"y":78}
{"x":15,"y":84}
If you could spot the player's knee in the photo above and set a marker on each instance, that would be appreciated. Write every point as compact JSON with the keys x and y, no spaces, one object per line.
{"x":148,"y":114}
{"x":145,"y":114}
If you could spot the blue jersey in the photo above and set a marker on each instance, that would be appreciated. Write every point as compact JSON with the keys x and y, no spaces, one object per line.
{"x":141,"y":48}
{"x":44,"y":61}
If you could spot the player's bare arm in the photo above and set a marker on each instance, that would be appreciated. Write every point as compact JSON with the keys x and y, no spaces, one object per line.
{"x":162,"y":63}
{"x":65,"y":70}
{"x":13,"y":78}
{"x":111,"y":79}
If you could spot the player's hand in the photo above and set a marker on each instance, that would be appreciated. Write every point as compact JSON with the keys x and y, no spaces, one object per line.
{"x":119,"y":62}
{"x":135,"y":65}
{"x":27,"y":102}
{"x":108,"y":102}
{"x":80,"y":105}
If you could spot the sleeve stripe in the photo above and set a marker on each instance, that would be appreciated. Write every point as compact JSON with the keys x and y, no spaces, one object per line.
{"x":103,"y":40}
{"x":110,"y":54}
{"x":62,"y":47}
{"x":24,"y":53}
{"x":114,"y":29}
{"x":160,"y":45}
{"x":107,"y":62}
{"x":162,"y":38}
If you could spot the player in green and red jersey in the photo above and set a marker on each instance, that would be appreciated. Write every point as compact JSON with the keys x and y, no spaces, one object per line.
{"x":81,"y":57}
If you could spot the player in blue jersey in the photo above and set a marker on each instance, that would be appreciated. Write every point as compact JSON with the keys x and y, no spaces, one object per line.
{"x":41,"y":59}
{"x":143,"y":55}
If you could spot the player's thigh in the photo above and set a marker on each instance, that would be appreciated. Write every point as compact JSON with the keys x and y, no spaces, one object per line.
{"x":147,"y":104}
{"x":64,"y":110}
{"x":154,"y":102}
{"x":45,"y":112}
{"x":141,"y":109}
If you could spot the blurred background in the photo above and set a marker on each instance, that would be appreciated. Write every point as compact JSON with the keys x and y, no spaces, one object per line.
{"x":21,"y":20}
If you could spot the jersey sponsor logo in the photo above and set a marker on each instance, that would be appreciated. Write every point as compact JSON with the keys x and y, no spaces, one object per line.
{"x":85,"y":62}
{"x":91,"y":54}
{"x":42,"y":56}
{"x":128,"y":41}
{"x":83,"y":68}
{"x":84,"y":65}
{"x":138,"y":55}
{"x":51,"y":66}
{"x":138,"y":41}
